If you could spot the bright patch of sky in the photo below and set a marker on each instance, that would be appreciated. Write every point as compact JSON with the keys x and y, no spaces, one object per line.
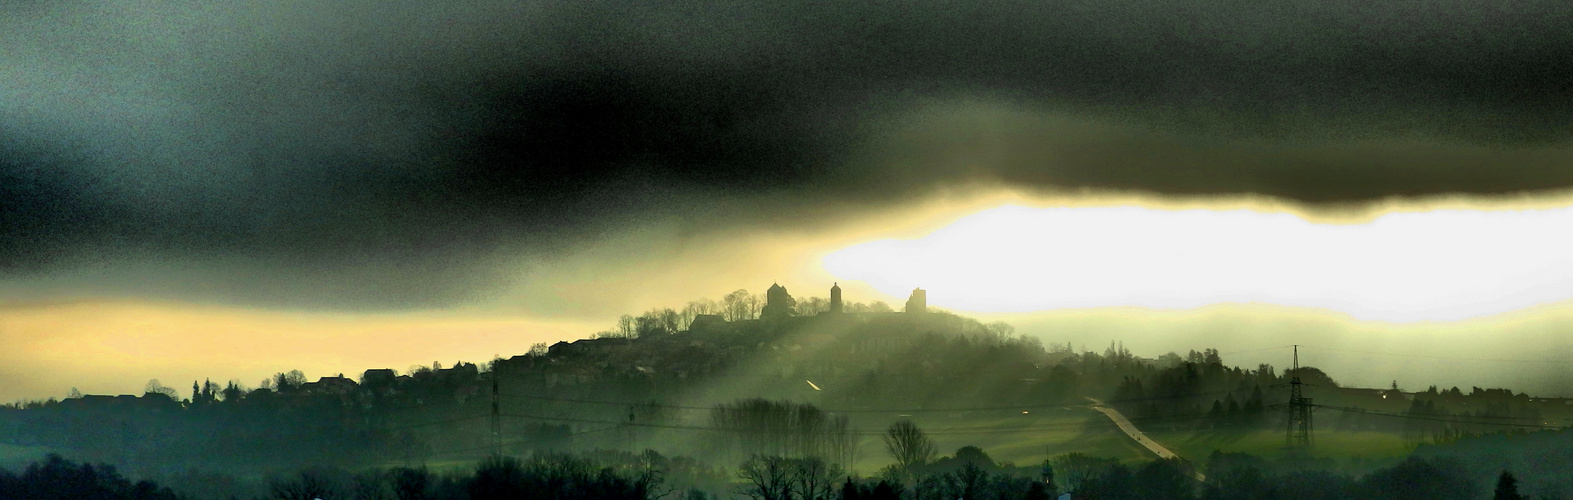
{"x":1426,"y":266}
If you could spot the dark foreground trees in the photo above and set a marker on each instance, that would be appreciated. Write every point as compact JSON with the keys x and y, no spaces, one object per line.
{"x":1241,"y":476}
{"x":768,"y":477}
{"x":556,"y":477}
{"x":56,"y":477}
{"x":1507,"y":487}
{"x":908,"y":444}
{"x":970,"y":473}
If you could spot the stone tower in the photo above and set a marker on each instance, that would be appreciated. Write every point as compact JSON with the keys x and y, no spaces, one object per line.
{"x":778,"y":303}
{"x":835,"y":298}
{"x":918,"y":302}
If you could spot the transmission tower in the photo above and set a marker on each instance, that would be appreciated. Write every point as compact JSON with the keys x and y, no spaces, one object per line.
{"x":1298,"y":437}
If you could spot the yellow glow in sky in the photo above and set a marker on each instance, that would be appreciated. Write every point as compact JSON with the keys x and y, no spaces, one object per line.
{"x":1438,"y":265}
{"x":114,"y":347}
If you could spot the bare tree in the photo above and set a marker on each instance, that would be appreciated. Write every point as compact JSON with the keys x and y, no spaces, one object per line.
{"x":1001,"y":330}
{"x":373,"y":485}
{"x":812,"y":478}
{"x":539,"y":349}
{"x":843,"y":444}
{"x":626,"y":326}
{"x":736,"y":306}
{"x":756,"y":303}
{"x":970,"y":480}
{"x":309,"y":485}
{"x":1076,"y":471}
{"x":908,"y":444}
{"x":648,"y":324}
{"x":685,"y":317}
{"x":783,"y":428}
{"x":810,"y":306}
{"x":701,"y":306}
{"x":154,"y":387}
{"x":288,"y":381}
{"x":688,"y":313}
{"x":671,"y":320}
{"x":766,"y":478}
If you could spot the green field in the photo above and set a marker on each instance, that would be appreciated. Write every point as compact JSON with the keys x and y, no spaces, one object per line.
{"x":1270,"y":444}
{"x":1022,"y":439}
{"x":1028,"y":439}
{"x":1008,"y":437}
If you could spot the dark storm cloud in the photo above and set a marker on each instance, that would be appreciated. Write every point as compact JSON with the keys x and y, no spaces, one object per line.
{"x":399,"y":146}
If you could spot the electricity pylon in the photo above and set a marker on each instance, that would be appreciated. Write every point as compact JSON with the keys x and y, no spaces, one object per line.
{"x":1298,"y":437}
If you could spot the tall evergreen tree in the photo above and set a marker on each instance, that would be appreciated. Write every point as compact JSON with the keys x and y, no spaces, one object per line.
{"x":1507,"y":487}
{"x":849,"y":490}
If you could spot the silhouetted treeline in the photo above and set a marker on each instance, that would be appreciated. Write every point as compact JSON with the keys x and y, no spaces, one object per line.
{"x":677,"y":383}
{"x":56,"y":477}
{"x":968,"y":473}
{"x":1541,"y":460}
{"x":1240,"y":476}
{"x":1197,"y":385}
{"x":601,"y":475}
{"x":156,"y":432}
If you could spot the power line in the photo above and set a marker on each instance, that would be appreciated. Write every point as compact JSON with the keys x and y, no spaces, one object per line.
{"x":1492,"y":360}
{"x":1285,"y":346}
{"x":436,"y":422}
{"x":943,"y":431}
{"x":1365,"y":411}
{"x":870,"y":410}
{"x":517,"y":441}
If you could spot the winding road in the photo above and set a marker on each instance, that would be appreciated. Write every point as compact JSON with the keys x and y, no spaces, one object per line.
{"x":1136,"y":434}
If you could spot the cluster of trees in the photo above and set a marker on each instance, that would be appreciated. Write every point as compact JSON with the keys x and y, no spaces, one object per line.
{"x":917,"y":475}
{"x":287,"y":422}
{"x":1242,"y":476}
{"x":604,"y":475}
{"x":969,"y":473}
{"x":774,"y":477}
{"x":736,"y":306}
{"x":601,"y":475}
{"x":759,"y":426}
{"x":1197,"y":384}
{"x":1540,"y":459}
{"x":740,"y":305}
{"x":56,"y":477}
{"x":1437,"y":419}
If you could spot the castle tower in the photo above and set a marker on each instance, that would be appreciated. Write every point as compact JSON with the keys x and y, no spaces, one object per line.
{"x":918,"y":302}
{"x":835,"y":298}
{"x":778,"y":303}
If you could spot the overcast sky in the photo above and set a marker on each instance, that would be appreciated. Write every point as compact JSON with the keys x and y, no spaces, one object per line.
{"x":396,"y":157}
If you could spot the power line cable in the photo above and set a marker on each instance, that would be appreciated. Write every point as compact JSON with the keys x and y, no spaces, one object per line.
{"x":1365,"y":411}
{"x":869,"y":410}
{"x":951,"y":431}
{"x":1492,"y":360}
{"x":1285,"y":346}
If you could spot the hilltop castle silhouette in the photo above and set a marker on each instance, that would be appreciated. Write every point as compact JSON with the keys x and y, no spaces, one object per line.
{"x":779,"y":303}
